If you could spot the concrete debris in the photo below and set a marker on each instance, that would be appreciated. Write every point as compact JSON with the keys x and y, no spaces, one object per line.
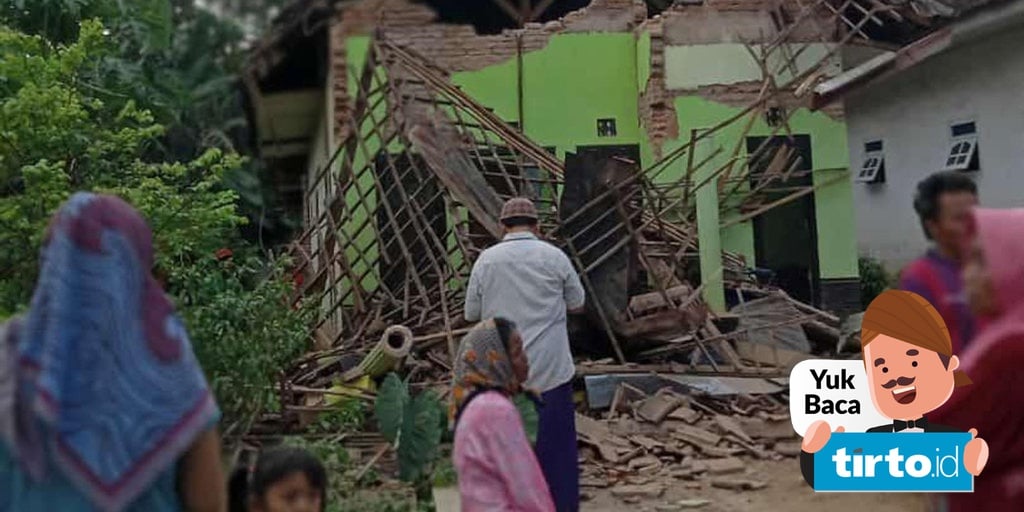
{"x":730,"y":425}
{"x":625,"y":398}
{"x":697,"y":437}
{"x":642,"y":463}
{"x":656,"y":408}
{"x":720,"y":452}
{"x":648,"y":491}
{"x":736,"y":484}
{"x":647,"y":443}
{"x":725,"y":466}
{"x":788,"y":449}
{"x":772,"y":311}
{"x":685,"y":414}
{"x":767,"y":430}
{"x":688,"y":504}
{"x":706,"y":439}
{"x":681,"y":505}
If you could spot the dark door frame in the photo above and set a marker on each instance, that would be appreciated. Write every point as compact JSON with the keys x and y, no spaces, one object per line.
{"x":802,"y":143}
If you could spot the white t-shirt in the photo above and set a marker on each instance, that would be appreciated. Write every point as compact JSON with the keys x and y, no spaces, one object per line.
{"x":531,"y":283}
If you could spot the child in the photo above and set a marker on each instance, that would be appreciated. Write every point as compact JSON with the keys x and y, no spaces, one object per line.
{"x":284,"y":479}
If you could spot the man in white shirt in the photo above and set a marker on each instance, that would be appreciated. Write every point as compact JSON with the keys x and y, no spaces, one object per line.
{"x":533,"y":284}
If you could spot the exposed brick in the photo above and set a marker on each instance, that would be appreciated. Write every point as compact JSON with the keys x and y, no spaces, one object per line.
{"x":456,"y":48}
{"x":657,"y":111}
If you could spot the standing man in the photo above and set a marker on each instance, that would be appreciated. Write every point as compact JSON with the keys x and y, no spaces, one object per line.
{"x":943,"y":202}
{"x":533,"y":284}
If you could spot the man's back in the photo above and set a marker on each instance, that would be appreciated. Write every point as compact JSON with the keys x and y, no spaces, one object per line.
{"x":531,"y":283}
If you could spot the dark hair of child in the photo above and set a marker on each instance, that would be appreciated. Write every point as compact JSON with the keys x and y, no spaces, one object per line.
{"x":272,"y":466}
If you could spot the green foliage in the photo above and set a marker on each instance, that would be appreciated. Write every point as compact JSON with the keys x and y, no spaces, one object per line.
{"x":60,"y":133}
{"x":417,"y":449}
{"x":392,"y":401}
{"x":412,"y":425}
{"x":349,"y":415}
{"x":57,"y":20}
{"x":175,"y":60}
{"x":528,"y":412}
{"x":444,"y":473}
{"x":874,"y":279}
{"x":243,"y":331}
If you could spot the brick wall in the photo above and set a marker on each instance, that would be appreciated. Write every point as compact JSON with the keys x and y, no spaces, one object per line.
{"x":657,"y":109}
{"x":458,"y":48}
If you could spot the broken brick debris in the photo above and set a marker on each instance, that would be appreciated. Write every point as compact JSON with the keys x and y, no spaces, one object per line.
{"x":656,"y":408}
{"x":738,"y":484}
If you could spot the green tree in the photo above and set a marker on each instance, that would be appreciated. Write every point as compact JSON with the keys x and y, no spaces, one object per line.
{"x":179,"y":61}
{"x":60,"y":133}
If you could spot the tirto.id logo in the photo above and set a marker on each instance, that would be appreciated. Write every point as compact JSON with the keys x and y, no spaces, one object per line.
{"x":924,"y":462}
{"x":858,"y":465}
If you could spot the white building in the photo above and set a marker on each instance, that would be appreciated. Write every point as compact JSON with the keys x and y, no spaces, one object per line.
{"x":952,"y":100}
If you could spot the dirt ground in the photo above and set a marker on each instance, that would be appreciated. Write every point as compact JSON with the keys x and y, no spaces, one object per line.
{"x":786,"y":491}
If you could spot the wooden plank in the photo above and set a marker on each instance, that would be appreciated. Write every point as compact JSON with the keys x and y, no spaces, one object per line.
{"x":769,"y":355}
{"x":656,"y":408}
{"x":640,"y":304}
{"x":810,"y":309}
{"x":766,"y":322}
{"x":654,"y":323}
{"x":462,"y":179}
{"x":695,"y":436}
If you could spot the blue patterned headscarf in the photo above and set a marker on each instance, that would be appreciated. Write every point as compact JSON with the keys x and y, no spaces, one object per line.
{"x":107,"y":385}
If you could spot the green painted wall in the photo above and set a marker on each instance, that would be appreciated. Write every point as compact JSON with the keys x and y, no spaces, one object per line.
{"x":578,"y":78}
{"x":567,"y":86}
{"x":837,"y":253}
{"x":494,"y":86}
{"x":358,"y":228}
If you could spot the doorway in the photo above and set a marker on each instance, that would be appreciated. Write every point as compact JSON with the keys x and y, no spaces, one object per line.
{"x":786,"y":236}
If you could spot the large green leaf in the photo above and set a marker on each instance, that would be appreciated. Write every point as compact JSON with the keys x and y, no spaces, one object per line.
{"x":421,"y":435}
{"x":391,"y":405}
{"x":528,"y":412}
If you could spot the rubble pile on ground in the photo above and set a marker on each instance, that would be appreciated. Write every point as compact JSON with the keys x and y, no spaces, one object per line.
{"x":644,"y":443}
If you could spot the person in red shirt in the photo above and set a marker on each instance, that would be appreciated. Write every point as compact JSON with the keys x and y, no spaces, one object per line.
{"x":943,"y":203}
{"x":994,"y":282}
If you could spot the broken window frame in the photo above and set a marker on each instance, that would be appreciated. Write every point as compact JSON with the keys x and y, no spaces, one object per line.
{"x":962,"y":152}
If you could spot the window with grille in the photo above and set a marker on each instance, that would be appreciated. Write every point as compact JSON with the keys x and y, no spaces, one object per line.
{"x":872,"y":170}
{"x":963,"y":148}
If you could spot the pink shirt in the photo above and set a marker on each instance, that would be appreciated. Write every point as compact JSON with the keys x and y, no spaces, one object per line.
{"x":497,"y":468}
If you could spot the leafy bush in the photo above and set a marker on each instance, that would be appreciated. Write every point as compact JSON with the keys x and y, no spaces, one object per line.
{"x":528,"y":412}
{"x":59,"y":135}
{"x":412,"y":424}
{"x":874,"y":279}
{"x":347,"y":416}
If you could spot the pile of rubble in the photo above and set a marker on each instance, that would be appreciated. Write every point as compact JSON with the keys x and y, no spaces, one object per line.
{"x":650,"y":442}
{"x":411,"y":196}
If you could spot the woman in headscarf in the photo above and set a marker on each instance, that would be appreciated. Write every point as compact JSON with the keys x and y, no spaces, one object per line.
{"x":102,"y":403}
{"x":496,"y":465}
{"x":994,"y":404}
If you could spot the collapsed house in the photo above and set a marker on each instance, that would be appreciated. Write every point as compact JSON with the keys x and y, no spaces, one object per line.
{"x":672,"y":156}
